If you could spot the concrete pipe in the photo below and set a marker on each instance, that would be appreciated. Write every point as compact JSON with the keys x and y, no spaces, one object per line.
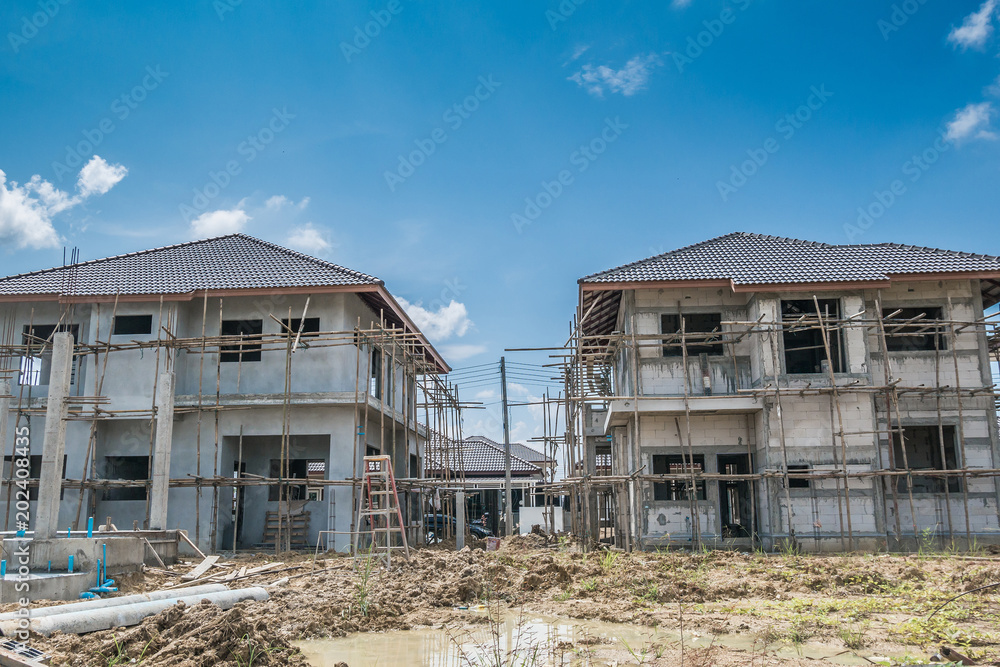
{"x":81,"y":622}
{"x":39,"y":612}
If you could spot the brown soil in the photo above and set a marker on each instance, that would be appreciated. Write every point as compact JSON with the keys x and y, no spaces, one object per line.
{"x":864,"y":605}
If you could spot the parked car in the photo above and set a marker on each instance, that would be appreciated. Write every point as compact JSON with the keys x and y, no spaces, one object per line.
{"x":434,"y":526}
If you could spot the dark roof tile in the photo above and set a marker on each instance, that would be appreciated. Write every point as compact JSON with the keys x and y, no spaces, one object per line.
{"x":229,"y":262}
{"x":756,"y":259}
{"x":477,"y":457}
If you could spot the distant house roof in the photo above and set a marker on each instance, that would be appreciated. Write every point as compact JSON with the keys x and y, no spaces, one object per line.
{"x":231,"y":265}
{"x":234,"y":262}
{"x":517,"y":449}
{"x":478,"y":457}
{"x":749,"y":262}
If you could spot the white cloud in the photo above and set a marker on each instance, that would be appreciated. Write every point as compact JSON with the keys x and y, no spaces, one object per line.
{"x":26,"y":211}
{"x":52,"y":198}
{"x":628,"y":81}
{"x":976,"y":28}
{"x":972,"y":121}
{"x":440,"y":324}
{"x":309,"y":239}
{"x":219,"y":223}
{"x":278,"y":202}
{"x":97,"y":177}
{"x":680,"y":4}
{"x":993,"y":90}
{"x":461,"y":352}
{"x":24,"y":220}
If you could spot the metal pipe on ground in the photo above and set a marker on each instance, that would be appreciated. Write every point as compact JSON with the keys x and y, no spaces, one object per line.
{"x":114,"y":602}
{"x":119,"y":616}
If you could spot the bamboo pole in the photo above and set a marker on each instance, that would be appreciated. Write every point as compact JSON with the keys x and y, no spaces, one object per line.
{"x":776,"y":367}
{"x":884,"y":350}
{"x":940,"y":426}
{"x":840,"y":421}
{"x":963,"y":462}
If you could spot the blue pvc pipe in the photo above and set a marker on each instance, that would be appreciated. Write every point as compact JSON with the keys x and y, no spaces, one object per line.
{"x":90,"y":526}
{"x":70,"y":568}
{"x":98,"y":571}
{"x":69,"y":532}
{"x":105,"y":575}
{"x":3,"y":568}
{"x":50,"y":566}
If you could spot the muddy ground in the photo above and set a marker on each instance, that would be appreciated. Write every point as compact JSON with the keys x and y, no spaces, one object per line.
{"x":865,"y":606}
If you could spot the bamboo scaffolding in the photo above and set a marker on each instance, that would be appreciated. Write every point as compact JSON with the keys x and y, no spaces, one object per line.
{"x":584,"y":370}
{"x":585,"y":354}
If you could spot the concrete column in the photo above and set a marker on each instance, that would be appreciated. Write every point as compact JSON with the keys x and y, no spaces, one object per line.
{"x":54,"y":444}
{"x":161,"y":452}
{"x":459,"y":520}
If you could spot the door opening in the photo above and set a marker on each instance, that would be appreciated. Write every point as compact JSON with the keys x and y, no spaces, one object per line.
{"x":734,"y":496}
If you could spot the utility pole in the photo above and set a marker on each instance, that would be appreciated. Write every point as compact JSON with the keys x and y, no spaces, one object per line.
{"x":508,"y":496}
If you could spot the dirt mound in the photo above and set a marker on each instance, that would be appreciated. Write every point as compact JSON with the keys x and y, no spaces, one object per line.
{"x":199,"y":636}
{"x":879,"y":602}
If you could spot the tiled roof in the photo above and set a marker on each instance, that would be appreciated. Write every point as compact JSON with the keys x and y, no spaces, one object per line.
{"x":756,"y":259}
{"x":517,"y":449}
{"x":478,"y":457}
{"x":229,"y":262}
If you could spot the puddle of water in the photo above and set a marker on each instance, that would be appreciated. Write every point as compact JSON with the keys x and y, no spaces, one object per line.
{"x":536,"y":640}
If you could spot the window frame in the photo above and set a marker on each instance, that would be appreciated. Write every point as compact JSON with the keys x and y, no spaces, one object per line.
{"x":40,"y":366}
{"x":798,"y":483}
{"x":376,"y":374}
{"x":126,"y":493}
{"x":815,"y":346}
{"x":242,"y":352}
{"x":713,"y":347}
{"x":121,"y":319}
{"x":903,"y":338}
{"x":296,"y":491}
{"x":310,"y":330}
{"x":34,"y":473}
{"x":677,"y":490}
{"x":923,"y":484}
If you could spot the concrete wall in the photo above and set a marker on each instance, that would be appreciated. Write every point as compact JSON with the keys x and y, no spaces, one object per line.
{"x":824,"y":434}
{"x":321,"y":416}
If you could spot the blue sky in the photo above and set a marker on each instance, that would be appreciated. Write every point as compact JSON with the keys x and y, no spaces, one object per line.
{"x":586,"y":135}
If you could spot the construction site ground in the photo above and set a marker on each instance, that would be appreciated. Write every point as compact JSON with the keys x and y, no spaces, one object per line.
{"x":785,"y":609}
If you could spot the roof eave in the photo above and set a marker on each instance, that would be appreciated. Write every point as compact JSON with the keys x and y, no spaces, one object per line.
{"x":601,"y":286}
{"x":185,"y":296}
{"x":398,"y":310}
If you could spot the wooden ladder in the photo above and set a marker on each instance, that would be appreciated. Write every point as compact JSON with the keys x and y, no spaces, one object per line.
{"x":379,"y":514}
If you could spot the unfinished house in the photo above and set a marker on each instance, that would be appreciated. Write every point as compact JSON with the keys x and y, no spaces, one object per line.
{"x":754,"y":391}
{"x":229,"y":387}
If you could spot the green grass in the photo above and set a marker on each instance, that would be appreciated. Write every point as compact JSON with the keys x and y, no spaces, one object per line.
{"x":608,"y":559}
{"x":854,"y":638}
